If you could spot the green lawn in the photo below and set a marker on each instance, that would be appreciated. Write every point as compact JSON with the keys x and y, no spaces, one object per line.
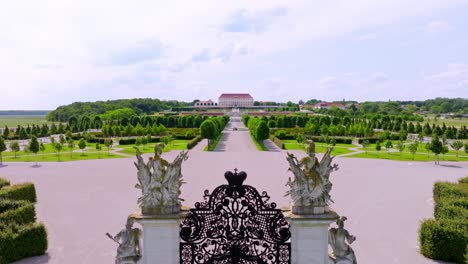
{"x":178,"y":144}
{"x":456,"y":122}
{"x":406,"y":156}
{"x":64,"y":156}
{"x":319,"y":147}
{"x":14,"y":120}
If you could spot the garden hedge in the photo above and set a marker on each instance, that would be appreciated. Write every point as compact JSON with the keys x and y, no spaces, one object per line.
{"x":4,"y":183}
{"x":192,"y":143}
{"x":20,"y":212}
{"x":277,"y":142}
{"x":21,"y":241}
{"x":444,"y":239}
{"x":24,"y":191}
{"x":449,"y":190}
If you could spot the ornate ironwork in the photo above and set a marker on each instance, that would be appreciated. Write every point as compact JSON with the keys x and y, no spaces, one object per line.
{"x":235,"y":225}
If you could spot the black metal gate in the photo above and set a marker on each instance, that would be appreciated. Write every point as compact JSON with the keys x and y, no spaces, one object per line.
{"x":235,"y":225}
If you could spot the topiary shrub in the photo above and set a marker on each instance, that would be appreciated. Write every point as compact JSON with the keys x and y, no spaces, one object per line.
{"x":25,"y":191}
{"x":445,"y":210}
{"x":277,"y":142}
{"x":4,"y":183}
{"x":449,"y":190}
{"x":192,"y":143}
{"x":19,"y":212}
{"x":21,"y":241}
{"x":443,"y":239}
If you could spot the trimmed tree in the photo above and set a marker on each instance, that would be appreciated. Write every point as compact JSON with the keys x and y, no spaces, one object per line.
{"x":42,"y":148}
{"x":108,"y":143}
{"x":388,"y":146}
{"x":365,"y":144}
{"x":208,"y":130}
{"x":71,"y":146}
{"x":98,"y":148}
{"x":436,"y":148}
{"x":34,"y":146}
{"x":378,"y":147}
{"x":400,"y":146}
{"x":413,"y":147}
{"x":262,"y":131}
{"x":58,"y":147}
{"x":15,"y":147}
{"x":457,"y":145}
{"x":82,"y":145}
{"x":2,"y":148}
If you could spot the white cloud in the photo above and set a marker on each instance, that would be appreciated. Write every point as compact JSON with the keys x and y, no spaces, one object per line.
{"x":367,"y":37}
{"x":438,"y":27}
{"x":57,"y":52}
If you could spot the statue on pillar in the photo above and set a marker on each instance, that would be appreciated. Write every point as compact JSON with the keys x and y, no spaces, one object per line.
{"x":129,"y":250}
{"x":310,"y":188}
{"x":337,"y":238}
{"x":160,"y":182}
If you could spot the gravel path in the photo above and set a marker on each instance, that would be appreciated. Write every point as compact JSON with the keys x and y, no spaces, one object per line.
{"x":384,"y":200}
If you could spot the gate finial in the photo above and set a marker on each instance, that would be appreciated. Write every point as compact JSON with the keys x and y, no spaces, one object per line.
{"x":235,"y":179}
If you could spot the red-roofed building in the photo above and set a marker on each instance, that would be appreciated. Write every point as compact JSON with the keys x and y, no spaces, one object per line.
{"x":208,"y":103}
{"x":235,"y":100}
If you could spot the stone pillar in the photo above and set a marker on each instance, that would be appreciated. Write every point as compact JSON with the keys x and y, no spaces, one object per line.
{"x":309,"y":237}
{"x":160,"y":237}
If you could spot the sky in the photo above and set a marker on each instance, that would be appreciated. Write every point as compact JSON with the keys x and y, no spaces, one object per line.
{"x":55,"y":52}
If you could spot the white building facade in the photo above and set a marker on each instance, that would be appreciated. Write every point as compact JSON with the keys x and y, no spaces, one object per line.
{"x":235,"y":100}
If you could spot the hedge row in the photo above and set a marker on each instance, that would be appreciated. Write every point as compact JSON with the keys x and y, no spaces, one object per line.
{"x":20,"y":212}
{"x":192,"y":143}
{"x":25,"y":191}
{"x":132,"y":140}
{"x":21,"y":241}
{"x":445,"y":190}
{"x":4,"y":183}
{"x":277,"y":142}
{"x":444,"y":239}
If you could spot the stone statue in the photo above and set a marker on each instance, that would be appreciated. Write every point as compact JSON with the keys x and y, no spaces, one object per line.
{"x":337,"y":237}
{"x":129,"y":250}
{"x":311,"y":186}
{"x":160,"y":182}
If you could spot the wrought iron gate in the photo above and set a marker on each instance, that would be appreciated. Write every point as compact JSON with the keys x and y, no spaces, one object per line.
{"x":235,"y":225}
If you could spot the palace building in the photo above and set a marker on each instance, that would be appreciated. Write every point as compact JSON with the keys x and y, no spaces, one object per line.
{"x":235,"y":100}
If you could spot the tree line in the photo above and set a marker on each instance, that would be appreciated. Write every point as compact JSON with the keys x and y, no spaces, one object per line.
{"x":139,"y":106}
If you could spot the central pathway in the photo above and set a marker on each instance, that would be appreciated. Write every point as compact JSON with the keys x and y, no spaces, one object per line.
{"x":236,"y":138}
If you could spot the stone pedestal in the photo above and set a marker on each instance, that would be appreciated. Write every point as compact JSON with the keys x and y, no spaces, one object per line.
{"x":160,"y":237}
{"x":309,"y":237}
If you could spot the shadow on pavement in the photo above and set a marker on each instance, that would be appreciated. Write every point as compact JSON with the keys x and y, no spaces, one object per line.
{"x":451,"y":166}
{"x":221,"y":147}
{"x":35,"y":260}
{"x":3,"y":165}
{"x":36,"y":166}
{"x":271,"y":146}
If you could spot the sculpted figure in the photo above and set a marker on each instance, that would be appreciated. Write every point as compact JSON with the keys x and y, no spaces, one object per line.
{"x":129,"y":250}
{"x":337,"y":238}
{"x":311,"y":185}
{"x":160,"y":182}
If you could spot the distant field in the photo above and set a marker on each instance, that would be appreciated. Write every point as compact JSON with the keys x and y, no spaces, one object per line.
{"x":456,"y":122}
{"x":15,"y":120}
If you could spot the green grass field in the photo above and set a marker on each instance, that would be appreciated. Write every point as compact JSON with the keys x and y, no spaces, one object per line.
{"x":456,"y":122}
{"x":149,"y":148}
{"x":319,"y":147}
{"x":15,"y":120}
{"x":63,"y":156}
{"x":406,"y":156}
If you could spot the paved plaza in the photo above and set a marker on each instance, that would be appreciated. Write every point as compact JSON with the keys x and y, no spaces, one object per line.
{"x":384,"y":200}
